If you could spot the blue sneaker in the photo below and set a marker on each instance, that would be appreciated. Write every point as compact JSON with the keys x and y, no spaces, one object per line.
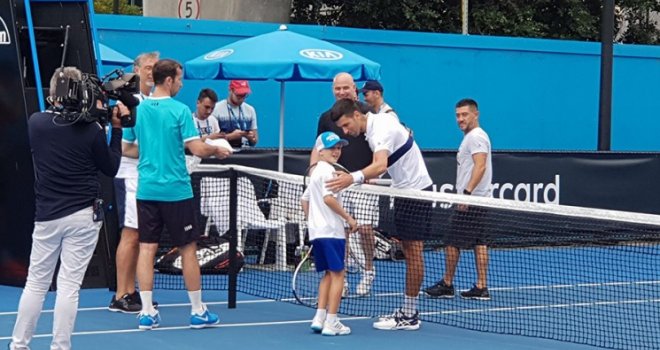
{"x":205,"y":319}
{"x":148,"y":321}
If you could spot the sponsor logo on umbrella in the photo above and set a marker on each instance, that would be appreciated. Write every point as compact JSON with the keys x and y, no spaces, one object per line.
{"x":320,"y":54}
{"x":216,"y":55}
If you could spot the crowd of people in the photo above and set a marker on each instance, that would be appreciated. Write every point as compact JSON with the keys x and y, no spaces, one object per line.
{"x":153,"y":192}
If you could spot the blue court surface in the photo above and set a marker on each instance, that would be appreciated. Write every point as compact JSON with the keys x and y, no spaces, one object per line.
{"x":254,"y":324}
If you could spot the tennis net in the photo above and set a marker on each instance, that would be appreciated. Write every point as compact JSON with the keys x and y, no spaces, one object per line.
{"x":573,"y":274}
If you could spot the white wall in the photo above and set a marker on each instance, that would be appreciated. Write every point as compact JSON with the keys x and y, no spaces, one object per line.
{"x":276,"y":11}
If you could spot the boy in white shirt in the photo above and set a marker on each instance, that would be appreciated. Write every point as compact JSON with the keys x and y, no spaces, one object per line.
{"x":325,"y":220}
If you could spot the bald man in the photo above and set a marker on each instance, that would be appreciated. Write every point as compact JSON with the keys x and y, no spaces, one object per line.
{"x":355,"y":156}
{"x":357,"y":153}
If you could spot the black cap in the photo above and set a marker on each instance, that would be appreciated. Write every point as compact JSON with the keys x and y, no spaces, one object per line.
{"x":371,"y":85}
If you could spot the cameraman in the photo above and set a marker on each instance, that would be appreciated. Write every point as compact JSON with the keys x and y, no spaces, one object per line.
{"x":68,"y":150}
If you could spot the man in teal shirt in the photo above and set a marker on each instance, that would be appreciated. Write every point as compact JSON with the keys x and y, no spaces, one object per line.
{"x":164,"y":196}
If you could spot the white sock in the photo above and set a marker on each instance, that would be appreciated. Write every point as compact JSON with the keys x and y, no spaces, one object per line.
{"x":331,"y":318}
{"x":196,"y":301}
{"x":409,"y":306}
{"x":320,"y":314}
{"x":147,"y":303}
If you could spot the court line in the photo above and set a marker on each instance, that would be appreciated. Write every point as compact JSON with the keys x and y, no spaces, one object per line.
{"x":540,"y":307}
{"x":504,"y":289}
{"x":228,"y":325}
{"x":9,"y":313}
{"x":558,"y":286}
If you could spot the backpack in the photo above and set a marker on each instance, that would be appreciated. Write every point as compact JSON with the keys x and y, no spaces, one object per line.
{"x":212,"y":255}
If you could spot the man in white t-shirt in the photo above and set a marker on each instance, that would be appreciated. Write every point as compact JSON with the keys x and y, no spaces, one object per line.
{"x":394,"y":151}
{"x":237,"y":119}
{"x":325,"y":220}
{"x":468,"y":230}
{"x":206,"y":125}
{"x":126,"y":299}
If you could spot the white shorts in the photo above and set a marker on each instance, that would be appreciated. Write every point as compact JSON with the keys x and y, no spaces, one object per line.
{"x":125,"y":190}
{"x":362,"y":207}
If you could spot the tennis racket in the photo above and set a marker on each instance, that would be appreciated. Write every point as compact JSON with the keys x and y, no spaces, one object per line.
{"x":355,"y":259}
{"x":305,"y":282}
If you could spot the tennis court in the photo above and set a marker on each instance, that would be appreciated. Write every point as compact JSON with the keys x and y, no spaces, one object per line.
{"x":559,"y":277}
{"x":254,"y":324}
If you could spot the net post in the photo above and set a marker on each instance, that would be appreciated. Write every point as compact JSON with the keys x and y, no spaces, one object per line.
{"x":233,"y":239}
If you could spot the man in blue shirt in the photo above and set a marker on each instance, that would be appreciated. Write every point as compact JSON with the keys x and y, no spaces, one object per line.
{"x":237,"y":119}
{"x":164,"y":195}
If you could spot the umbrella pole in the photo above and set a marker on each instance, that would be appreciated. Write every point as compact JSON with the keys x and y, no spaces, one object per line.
{"x":280,"y":156}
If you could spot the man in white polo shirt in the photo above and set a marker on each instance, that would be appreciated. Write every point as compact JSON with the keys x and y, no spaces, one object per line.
{"x":396,"y":152}
{"x":126,"y":299}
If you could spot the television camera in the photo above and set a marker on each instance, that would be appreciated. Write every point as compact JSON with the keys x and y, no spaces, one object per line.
{"x":78,"y":99}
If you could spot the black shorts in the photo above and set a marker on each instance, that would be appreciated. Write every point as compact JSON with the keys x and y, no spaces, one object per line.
{"x":177,"y":217}
{"x":467,"y":228}
{"x":412,"y":219}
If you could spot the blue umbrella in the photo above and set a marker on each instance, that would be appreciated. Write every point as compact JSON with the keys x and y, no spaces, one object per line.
{"x":111,"y":57}
{"x":282,"y":56}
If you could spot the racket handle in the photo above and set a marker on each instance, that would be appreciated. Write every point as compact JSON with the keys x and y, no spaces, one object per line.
{"x":380,"y":182}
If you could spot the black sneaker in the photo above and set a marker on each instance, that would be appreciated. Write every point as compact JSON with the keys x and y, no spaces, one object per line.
{"x":126,"y":304}
{"x":440,"y":290}
{"x":476,"y":293}
{"x":136,"y":298}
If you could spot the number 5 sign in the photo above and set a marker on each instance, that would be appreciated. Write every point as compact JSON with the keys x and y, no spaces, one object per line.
{"x":189,"y":9}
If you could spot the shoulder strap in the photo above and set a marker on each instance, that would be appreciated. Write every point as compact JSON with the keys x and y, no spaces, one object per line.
{"x":396,"y":155}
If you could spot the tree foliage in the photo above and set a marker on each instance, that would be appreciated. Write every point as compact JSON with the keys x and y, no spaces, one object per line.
{"x":556,"y":19}
{"x":641,"y":28}
{"x":105,"y":6}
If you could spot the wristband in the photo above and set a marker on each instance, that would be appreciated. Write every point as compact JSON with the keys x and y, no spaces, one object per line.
{"x":358,"y":177}
{"x":467,"y":192}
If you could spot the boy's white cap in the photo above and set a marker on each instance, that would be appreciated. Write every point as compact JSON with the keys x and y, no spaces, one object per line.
{"x":328,"y":139}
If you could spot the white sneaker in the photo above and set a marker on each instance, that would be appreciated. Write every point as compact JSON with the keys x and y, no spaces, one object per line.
{"x":336,"y":328}
{"x":364,"y":287}
{"x":317,"y":325}
{"x":345,"y":290}
{"x":398,"y":321}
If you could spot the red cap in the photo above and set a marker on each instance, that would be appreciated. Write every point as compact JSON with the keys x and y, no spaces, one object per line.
{"x":240,"y":87}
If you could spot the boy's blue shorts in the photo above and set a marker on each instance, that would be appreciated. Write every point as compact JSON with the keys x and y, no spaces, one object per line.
{"x":329,"y":254}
